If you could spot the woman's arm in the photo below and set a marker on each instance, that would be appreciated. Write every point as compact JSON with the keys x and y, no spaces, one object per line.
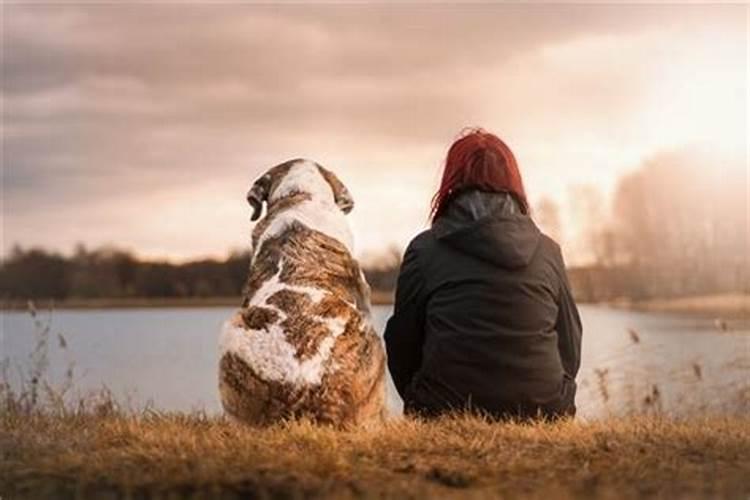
{"x":404,"y":333}
{"x":569,"y":329}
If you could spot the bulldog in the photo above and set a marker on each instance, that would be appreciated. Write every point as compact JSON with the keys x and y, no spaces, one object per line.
{"x":302,"y":344}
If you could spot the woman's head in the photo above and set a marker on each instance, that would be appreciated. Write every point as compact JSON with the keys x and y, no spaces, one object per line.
{"x":479,"y":160}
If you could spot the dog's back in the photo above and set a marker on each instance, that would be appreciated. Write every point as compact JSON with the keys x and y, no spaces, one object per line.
{"x":302,"y":344}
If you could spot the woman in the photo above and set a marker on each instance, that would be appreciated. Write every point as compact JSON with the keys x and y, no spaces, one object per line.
{"x":484,"y":318}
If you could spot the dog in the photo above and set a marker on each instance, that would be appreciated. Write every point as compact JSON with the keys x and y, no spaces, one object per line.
{"x":302,"y":344}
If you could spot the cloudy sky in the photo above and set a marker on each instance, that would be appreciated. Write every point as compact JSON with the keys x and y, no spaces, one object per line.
{"x":143,"y":125}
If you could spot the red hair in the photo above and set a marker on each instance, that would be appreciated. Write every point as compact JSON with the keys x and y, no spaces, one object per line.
{"x":479,"y":160}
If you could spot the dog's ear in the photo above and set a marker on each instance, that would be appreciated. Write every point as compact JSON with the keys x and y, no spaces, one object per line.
{"x":341,"y":195}
{"x":259,"y":194}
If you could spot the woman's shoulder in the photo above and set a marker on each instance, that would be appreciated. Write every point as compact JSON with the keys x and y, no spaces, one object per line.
{"x":419,"y":249}
{"x":547,"y":244}
{"x":425,"y":238}
{"x":551,"y":252}
{"x":421,"y":244}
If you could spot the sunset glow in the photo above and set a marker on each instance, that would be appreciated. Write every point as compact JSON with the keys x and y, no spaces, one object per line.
{"x":126,"y":125}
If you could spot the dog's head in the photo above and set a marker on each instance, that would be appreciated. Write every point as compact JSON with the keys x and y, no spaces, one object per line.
{"x":295,"y":177}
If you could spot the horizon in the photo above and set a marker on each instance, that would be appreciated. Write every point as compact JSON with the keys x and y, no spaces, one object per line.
{"x":142,"y":127}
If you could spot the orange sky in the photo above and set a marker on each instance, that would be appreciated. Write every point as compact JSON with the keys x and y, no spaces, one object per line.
{"x":142,"y":126}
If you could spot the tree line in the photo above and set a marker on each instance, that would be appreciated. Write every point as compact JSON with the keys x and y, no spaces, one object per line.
{"x":108,"y":272}
{"x":677,"y":225}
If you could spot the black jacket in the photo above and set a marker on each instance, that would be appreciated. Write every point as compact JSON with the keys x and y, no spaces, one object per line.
{"x":484,"y":318}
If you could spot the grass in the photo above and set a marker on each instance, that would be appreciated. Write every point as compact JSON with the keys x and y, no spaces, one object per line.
{"x":90,"y":454}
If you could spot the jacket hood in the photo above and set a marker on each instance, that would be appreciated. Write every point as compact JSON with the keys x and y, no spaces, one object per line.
{"x":489,"y":226}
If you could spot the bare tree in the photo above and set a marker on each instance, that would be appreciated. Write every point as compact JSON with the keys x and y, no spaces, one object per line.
{"x":591,"y":215}
{"x":547,"y":216}
{"x":683,"y":216}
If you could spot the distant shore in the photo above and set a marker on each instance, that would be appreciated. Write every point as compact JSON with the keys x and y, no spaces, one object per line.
{"x":378,"y":298}
{"x":726,"y":306}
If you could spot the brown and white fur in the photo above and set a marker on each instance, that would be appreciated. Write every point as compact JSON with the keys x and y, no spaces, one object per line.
{"x":302,"y":345}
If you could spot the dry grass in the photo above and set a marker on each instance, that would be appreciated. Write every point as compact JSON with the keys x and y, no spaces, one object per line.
{"x":86,"y":454}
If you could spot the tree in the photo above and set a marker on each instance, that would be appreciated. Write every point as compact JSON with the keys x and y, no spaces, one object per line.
{"x":591,"y":215}
{"x":547,"y":215}
{"x":682,"y":219}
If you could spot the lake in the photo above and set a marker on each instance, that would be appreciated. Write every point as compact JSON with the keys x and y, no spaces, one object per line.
{"x":632,"y":362}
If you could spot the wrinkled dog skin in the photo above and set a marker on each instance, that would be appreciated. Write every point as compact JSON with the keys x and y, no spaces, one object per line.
{"x":302,"y":345}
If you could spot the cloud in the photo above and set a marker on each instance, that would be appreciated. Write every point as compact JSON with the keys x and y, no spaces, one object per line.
{"x":114,"y":111}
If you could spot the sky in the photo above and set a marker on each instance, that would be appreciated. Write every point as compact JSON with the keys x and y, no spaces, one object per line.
{"x":143,"y":125}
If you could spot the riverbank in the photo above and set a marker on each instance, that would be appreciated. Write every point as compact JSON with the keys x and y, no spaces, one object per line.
{"x":724,"y":306}
{"x":46,"y":456}
{"x":378,"y":298}
{"x":720,"y":306}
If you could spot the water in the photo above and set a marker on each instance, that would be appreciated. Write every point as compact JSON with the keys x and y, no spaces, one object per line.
{"x":168,"y":358}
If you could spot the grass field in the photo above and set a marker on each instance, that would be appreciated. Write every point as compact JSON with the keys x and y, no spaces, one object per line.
{"x":111,"y":455}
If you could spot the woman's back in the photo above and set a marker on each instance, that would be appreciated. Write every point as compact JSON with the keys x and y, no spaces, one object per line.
{"x":491,"y":283}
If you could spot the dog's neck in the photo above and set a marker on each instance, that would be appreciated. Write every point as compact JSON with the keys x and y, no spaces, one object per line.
{"x":304,"y":178}
{"x":303,"y":196}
